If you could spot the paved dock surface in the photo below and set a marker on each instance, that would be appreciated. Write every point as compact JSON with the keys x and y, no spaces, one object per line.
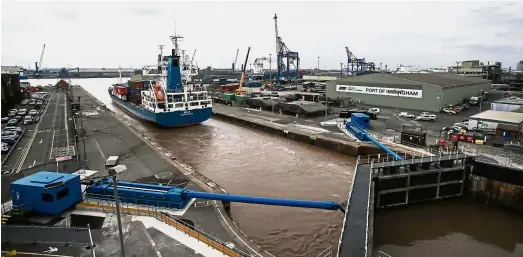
{"x":355,"y":228}
{"x":50,"y":137}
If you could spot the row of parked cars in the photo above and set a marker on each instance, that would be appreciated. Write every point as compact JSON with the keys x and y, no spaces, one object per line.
{"x":12,"y":132}
{"x":456,"y":109}
{"x":424,"y":116}
{"x":9,"y":137}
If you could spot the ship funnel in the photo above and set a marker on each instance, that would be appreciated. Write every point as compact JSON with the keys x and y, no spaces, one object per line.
{"x":174,"y":78}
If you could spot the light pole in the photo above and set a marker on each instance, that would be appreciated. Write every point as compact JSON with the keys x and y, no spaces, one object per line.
{"x":341,"y":70}
{"x":318,"y":69}
{"x":113,"y":172}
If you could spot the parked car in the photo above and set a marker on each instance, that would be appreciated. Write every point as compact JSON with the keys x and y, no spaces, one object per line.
{"x":39,"y":102}
{"x":25,"y":101}
{"x":5,"y":148}
{"x":13,"y":122}
{"x":449,"y":111}
{"x":17,"y":129}
{"x":13,"y":134}
{"x":32,"y":101}
{"x":8,"y":140}
{"x":33,"y":112}
{"x":12,"y":113}
{"x":426,"y":117}
{"x":5,"y":119}
{"x":22,"y":112}
{"x":374,"y":110}
{"x":451,"y":129}
{"x":28,"y":119}
{"x":406,"y":115}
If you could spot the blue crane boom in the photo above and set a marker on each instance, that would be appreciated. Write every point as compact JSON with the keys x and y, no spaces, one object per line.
{"x":175,"y":197}
{"x":263,"y":200}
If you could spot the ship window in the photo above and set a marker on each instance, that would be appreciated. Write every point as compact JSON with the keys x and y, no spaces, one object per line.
{"x":179,"y":105}
{"x":62,"y":194}
{"x":195,"y":103}
{"x":171,"y":105}
{"x":47,"y":197}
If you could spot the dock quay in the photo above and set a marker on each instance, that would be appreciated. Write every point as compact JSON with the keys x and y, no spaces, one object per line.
{"x":105,"y":134}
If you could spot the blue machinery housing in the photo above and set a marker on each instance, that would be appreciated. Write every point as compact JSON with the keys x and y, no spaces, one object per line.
{"x":359,"y":125}
{"x":174,"y":197}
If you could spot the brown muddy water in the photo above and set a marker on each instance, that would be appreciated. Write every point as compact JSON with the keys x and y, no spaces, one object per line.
{"x":251,"y":162}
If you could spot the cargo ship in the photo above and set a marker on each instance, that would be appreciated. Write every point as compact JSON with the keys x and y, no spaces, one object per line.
{"x":161,"y":97}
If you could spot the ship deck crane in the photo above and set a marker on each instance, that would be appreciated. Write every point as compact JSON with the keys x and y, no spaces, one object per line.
{"x":239,"y":91}
{"x":235,"y":60}
{"x":285,"y":58}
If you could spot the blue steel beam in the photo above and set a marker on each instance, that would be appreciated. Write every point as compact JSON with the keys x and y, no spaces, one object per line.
{"x":264,"y":200}
{"x":384,"y":148}
{"x":363,"y":135}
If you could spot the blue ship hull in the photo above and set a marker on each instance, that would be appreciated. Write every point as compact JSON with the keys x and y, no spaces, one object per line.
{"x":166,"y":119}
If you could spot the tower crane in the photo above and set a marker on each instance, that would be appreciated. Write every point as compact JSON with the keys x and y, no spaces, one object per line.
{"x":235,"y":60}
{"x":239,"y":91}
{"x":38,"y":65}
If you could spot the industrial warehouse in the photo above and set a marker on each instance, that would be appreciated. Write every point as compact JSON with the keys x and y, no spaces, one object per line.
{"x":416,"y":91}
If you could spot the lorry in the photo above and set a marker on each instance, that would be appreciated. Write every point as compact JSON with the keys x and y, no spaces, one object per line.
{"x":480,"y":125}
{"x":475,"y":100}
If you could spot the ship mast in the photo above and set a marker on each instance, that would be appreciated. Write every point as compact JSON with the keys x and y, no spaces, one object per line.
{"x":174,"y":39}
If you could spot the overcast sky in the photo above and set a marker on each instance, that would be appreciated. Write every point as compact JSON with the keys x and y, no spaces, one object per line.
{"x":112,"y":34}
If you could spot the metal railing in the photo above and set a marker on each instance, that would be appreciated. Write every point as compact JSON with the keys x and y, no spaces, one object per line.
{"x":153,"y":211}
{"x":435,"y":154}
{"x":45,"y":234}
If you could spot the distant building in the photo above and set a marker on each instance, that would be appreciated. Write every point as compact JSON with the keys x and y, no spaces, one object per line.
{"x":519,"y":67}
{"x":62,"y":84}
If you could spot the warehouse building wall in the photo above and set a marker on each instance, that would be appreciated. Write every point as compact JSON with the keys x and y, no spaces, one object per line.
{"x":456,"y":95}
{"x":428,"y":102}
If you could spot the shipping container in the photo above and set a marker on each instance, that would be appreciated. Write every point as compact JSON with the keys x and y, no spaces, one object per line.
{"x":228,"y":97}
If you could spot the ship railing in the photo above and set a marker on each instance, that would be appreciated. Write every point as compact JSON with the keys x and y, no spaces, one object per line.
{"x":383,"y":254}
{"x":106,"y":202}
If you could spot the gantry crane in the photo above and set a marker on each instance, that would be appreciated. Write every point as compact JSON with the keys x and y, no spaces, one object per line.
{"x":235,"y":60}
{"x":239,"y":91}
{"x":38,"y":65}
{"x":361,"y":64}
{"x":285,"y":58}
{"x":258,"y":64}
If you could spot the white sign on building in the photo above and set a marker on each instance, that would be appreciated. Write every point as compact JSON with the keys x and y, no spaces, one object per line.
{"x":399,"y":92}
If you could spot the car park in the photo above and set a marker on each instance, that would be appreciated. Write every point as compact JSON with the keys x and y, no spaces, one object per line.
{"x":33,"y":112}
{"x":406,"y":115}
{"x":426,"y":117}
